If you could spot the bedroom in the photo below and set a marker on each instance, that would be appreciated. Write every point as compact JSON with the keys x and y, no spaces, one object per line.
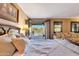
{"x":61,"y":29}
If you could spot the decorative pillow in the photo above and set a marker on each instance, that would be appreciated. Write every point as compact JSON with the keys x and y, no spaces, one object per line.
{"x":6,"y":48}
{"x":7,"y":37}
{"x":19,"y":44}
{"x":58,"y":35}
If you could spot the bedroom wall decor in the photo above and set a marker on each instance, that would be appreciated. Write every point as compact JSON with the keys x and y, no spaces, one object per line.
{"x":8,"y":11}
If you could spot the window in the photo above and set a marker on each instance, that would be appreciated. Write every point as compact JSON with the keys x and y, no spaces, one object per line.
{"x":75,"y":27}
{"x":57,"y":26}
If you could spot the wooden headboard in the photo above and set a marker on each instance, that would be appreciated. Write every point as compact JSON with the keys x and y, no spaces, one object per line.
{"x":6,"y":28}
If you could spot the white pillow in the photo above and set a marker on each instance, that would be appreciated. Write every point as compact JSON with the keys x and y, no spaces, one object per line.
{"x":7,"y":37}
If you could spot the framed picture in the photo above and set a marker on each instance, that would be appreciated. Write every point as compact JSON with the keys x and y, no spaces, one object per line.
{"x":8,"y":11}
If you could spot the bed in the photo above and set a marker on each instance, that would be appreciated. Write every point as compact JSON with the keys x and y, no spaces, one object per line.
{"x":49,"y":47}
{"x":10,"y":45}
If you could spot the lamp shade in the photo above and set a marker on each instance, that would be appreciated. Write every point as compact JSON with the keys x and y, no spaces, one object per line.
{"x":24,"y":27}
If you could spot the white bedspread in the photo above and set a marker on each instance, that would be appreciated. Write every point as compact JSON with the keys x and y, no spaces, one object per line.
{"x":48,"y":48}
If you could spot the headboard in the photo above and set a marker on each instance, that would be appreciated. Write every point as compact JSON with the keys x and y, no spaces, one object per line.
{"x":6,"y":28}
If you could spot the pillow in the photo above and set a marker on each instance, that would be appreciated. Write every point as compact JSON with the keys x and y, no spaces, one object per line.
{"x":58,"y":35}
{"x":19,"y":44}
{"x":6,"y":48}
{"x":7,"y":37}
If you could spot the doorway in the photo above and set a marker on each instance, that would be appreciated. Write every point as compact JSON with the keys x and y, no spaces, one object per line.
{"x":38,"y":31}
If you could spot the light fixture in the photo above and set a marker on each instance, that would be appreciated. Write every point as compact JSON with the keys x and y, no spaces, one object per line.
{"x":24,"y":27}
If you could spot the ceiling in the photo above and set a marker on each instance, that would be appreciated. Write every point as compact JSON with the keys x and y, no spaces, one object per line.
{"x":38,"y":21}
{"x":50,"y":10}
